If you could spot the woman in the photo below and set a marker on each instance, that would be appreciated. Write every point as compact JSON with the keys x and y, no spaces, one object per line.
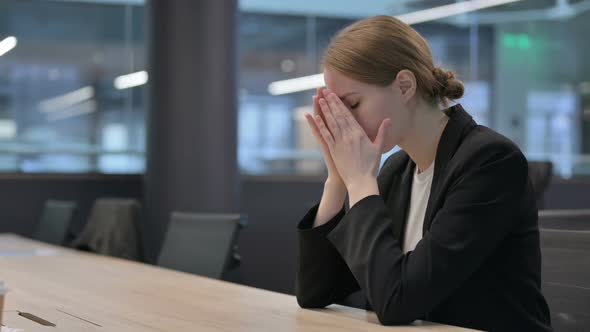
{"x":447,"y":232}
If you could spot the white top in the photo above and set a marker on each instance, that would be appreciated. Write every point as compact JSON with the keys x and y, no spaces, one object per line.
{"x":418,"y":202}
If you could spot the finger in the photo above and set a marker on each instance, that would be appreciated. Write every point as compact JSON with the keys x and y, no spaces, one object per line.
{"x":340,"y":111}
{"x":314,"y":128}
{"x":316,"y":106}
{"x":354,"y":124}
{"x":324,"y":131}
{"x":346,"y":113}
{"x":330,"y":120}
{"x":380,"y":138}
{"x":320,"y":92}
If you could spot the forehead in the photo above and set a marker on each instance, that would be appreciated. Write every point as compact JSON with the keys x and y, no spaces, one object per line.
{"x":341,"y":84}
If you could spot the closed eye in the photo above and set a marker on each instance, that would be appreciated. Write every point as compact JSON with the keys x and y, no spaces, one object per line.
{"x":355,"y":105}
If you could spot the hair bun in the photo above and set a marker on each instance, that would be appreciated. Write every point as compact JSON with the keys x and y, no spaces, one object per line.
{"x":449,"y":86}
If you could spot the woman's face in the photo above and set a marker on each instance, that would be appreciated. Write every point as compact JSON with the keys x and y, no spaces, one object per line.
{"x":371,"y":104}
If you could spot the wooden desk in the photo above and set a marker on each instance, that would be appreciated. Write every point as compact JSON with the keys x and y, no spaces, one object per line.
{"x":109,"y":294}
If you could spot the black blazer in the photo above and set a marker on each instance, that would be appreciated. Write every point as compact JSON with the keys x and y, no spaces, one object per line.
{"x":479,"y":262}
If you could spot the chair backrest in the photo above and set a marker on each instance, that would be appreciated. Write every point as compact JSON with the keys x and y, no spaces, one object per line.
{"x":566,"y":268}
{"x":55,"y":221}
{"x":540,"y":173}
{"x":113,"y":229}
{"x":200,"y":243}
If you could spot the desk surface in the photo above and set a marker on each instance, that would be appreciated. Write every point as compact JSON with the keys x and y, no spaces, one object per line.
{"x":86,"y":292}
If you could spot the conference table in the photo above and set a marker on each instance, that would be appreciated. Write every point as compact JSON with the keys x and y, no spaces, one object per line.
{"x":78,"y":291}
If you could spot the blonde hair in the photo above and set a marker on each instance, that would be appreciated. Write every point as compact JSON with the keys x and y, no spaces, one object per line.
{"x":376,"y":49}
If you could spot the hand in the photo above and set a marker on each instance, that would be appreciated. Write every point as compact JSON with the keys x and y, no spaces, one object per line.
{"x":356,"y":158}
{"x":334,"y":178}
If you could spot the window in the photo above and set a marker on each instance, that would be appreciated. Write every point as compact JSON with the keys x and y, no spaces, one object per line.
{"x":60,"y":110}
{"x":523,"y":65}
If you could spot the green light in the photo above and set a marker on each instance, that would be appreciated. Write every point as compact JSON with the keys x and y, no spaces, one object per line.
{"x":524,"y":42}
{"x":509,"y":40}
{"x":520,"y":41}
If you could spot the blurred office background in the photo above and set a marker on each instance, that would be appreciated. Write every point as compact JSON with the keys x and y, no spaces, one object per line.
{"x":91,"y":91}
{"x":523,"y":64}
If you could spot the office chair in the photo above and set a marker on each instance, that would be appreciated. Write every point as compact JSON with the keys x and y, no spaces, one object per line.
{"x":201,"y":243}
{"x":566,"y":269}
{"x":55,"y":221}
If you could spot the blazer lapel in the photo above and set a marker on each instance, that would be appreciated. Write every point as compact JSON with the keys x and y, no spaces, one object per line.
{"x":401,"y":202}
{"x":459,"y":123}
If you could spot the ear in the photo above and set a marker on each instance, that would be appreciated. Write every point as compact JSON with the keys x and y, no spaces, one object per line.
{"x":406,"y":83}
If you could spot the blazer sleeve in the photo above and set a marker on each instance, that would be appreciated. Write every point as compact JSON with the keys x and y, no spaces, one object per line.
{"x":323,"y":277}
{"x":478,"y":212}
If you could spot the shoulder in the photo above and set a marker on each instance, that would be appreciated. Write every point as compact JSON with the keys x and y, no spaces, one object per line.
{"x":483,"y":143}
{"x":483,"y":148}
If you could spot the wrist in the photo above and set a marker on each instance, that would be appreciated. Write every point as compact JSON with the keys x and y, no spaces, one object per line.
{"x":361,"y":187}
{"x":335,"y":185}
{"x":361,"y":183}
{"x":335,"y":193}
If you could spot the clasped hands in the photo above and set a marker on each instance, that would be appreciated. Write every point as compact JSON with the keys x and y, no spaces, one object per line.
{"x":351,"y":157}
